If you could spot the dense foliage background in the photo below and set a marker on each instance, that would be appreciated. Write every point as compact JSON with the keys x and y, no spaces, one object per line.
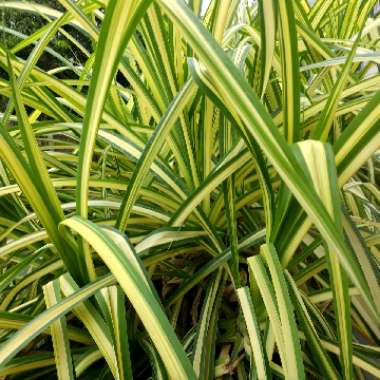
{"x":189,"y":189}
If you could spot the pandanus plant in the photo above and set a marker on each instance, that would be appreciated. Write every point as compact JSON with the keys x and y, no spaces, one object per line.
{"x":197,"y":196}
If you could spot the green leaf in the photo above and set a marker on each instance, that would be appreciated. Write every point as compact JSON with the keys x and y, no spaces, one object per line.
{"x":119,"y":256}
{"x":318,"y":161}
{"x":254,"y":334}
{"x":63,"y":359}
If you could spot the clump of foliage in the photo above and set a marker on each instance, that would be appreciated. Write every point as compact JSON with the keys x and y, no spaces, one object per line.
{"x":197,"y":197}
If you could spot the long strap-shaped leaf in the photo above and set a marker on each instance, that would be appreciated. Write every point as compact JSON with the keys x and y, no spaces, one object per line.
{"x":117,"y":28}
{"x":119,"y":322}
{"x":320,"y":355}
{"x":268,"y":40}
{"x":268,"y":295}
{"x":359,"y":140}
{"x":205,"y":339}
{"x":13,"y":320}
{"x":94,"y":323}
{"x":253,"y":328}
{"x":292,"y":345}
{"x":120,"y":257}
{"x":63,"y":359}
{"x":36,"y":162}
{"x":355,"y":145}
{"x":290,"y":70}
{"x":318,"y":160}
{"x":322,"y":130}
{"x":152,"y":149}
{"x":18,"y":166}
